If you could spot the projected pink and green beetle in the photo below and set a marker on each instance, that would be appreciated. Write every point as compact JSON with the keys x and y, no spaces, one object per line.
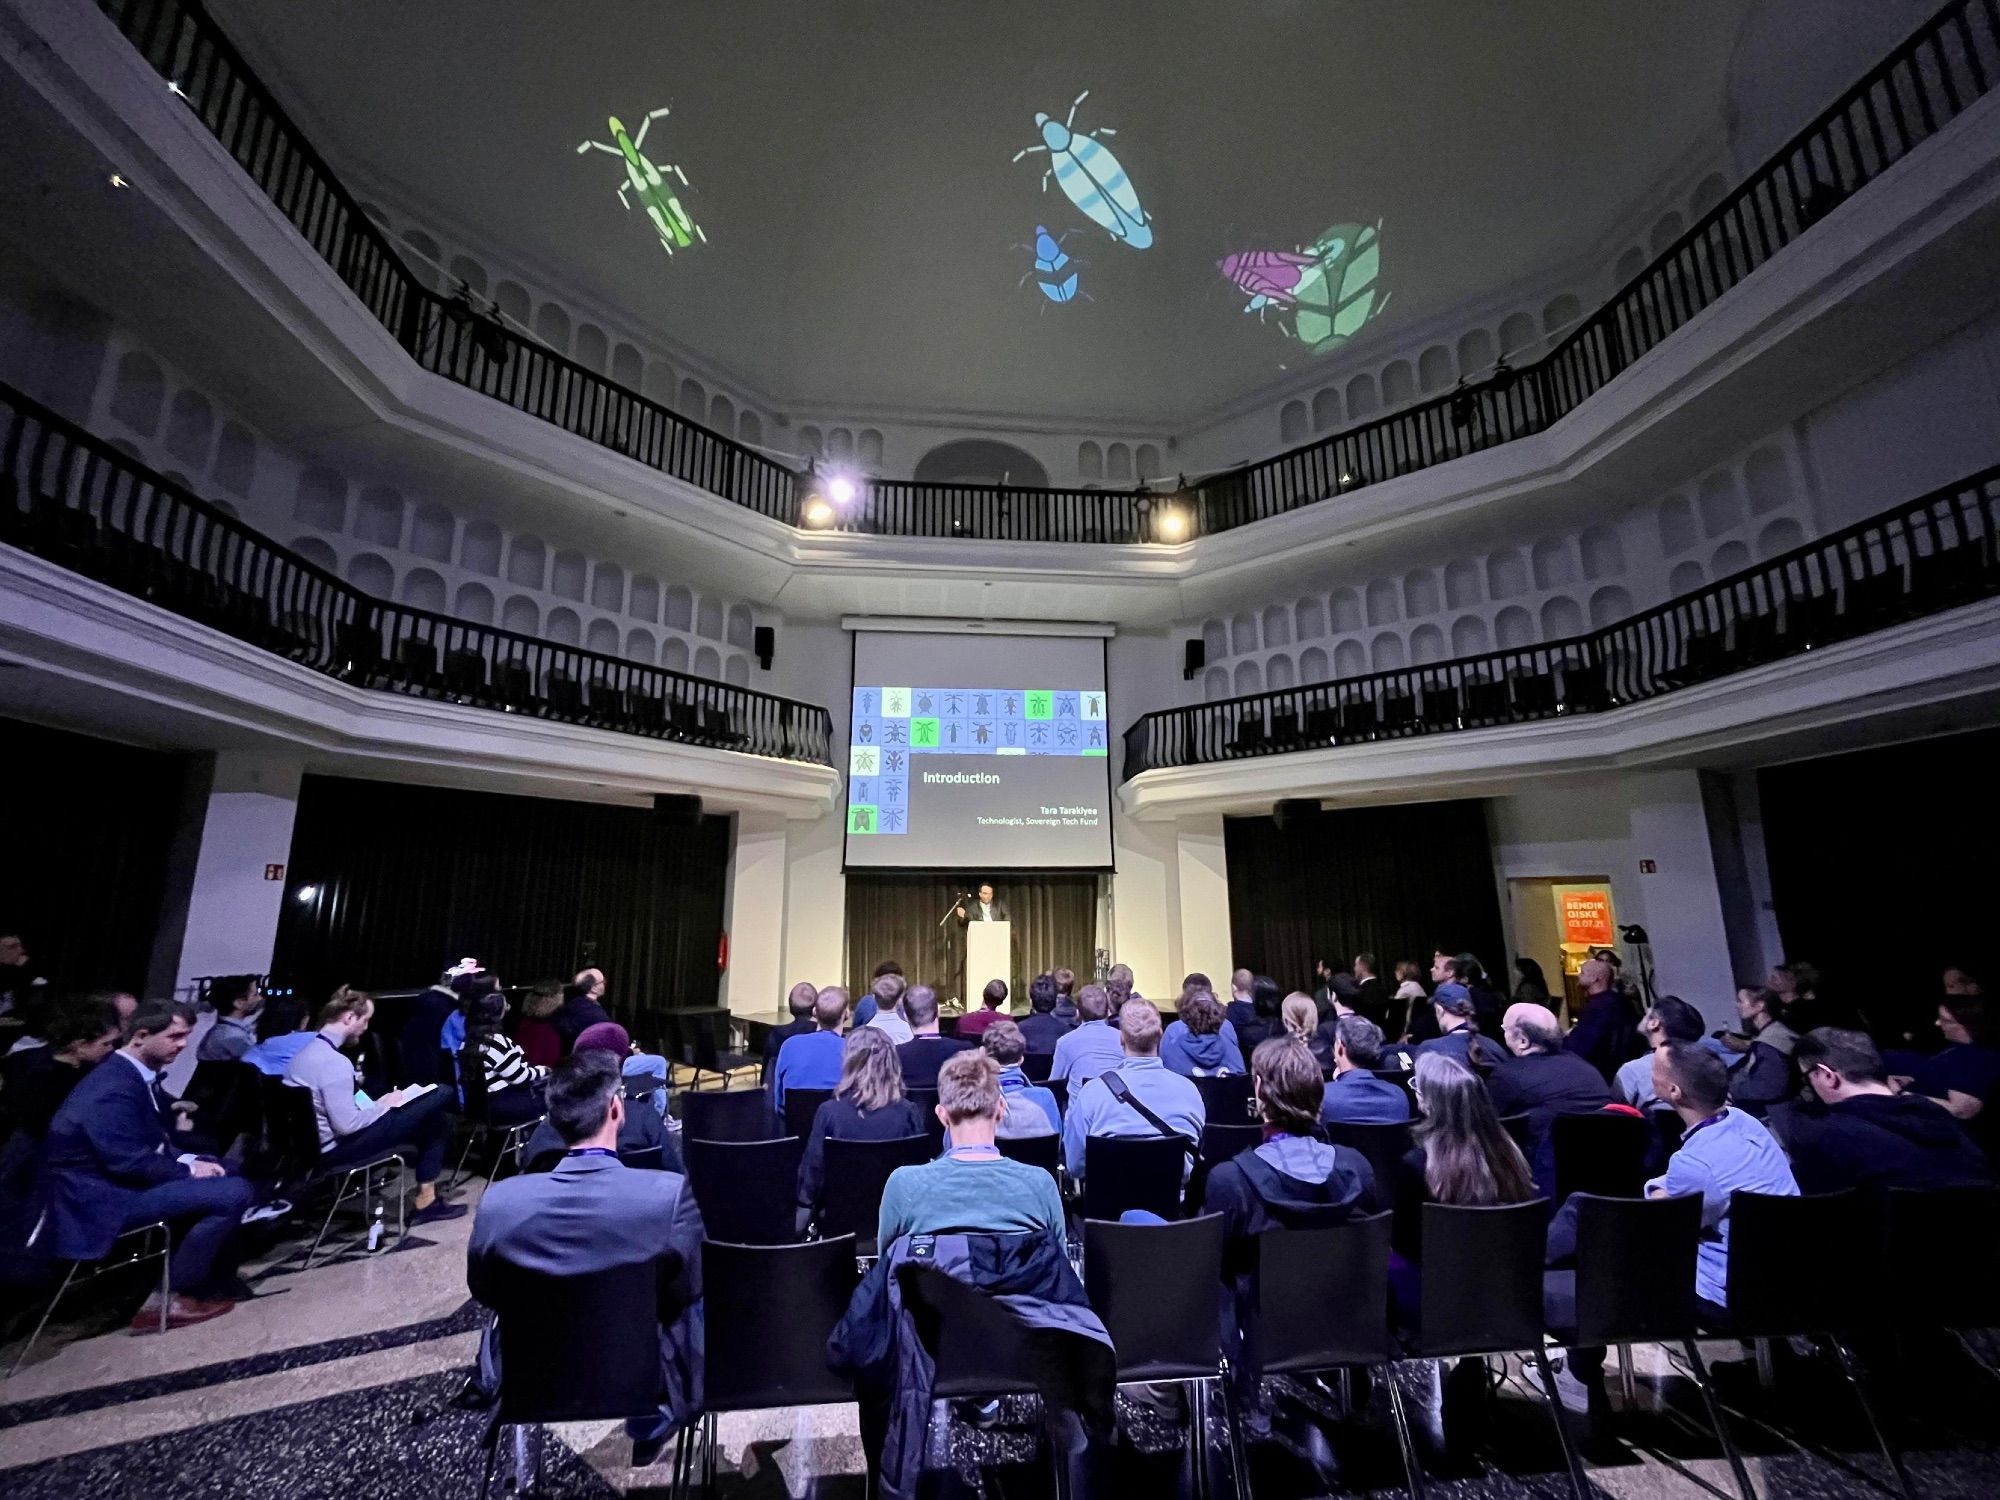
{"x":1323,"y":293}
{"x":663,"y":206}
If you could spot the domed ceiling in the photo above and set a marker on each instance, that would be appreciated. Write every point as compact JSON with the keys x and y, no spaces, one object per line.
{"x":1088,"y":212}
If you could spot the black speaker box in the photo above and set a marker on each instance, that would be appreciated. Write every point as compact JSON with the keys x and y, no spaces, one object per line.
{"x":677,"y":807}
{"x":1194,"y":657}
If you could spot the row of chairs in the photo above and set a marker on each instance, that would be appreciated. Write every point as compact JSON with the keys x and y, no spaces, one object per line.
{"x":1321,"y":1304}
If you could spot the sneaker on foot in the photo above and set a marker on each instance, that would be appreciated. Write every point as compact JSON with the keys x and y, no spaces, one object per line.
{"x":439,"y":1212}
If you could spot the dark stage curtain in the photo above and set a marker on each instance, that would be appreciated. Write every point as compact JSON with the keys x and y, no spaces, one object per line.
{"x":1882,"y":871}
{"x":895,"y":916}
{"x":1393,"y":881}
{"x":411,"y":878}
{"x":90,"y":830}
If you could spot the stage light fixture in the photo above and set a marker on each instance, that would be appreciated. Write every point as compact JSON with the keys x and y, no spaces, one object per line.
{"x":307,"y":892}
{"x":841,"y":489}
{"x":818,"y":512}
{"x":1173,"y":523}
{"x":119,"y":182}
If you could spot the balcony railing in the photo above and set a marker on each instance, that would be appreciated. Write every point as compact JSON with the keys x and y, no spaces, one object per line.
{"x":1950,"y":63}
{"x":1923,"y":557}
{"x":77,"y":501}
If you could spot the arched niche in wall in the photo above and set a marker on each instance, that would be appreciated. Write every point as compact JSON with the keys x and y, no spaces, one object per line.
{"x":840,"y":445}
{"x":708,"y":663}
{"x":564,"y":626}
{"x":1554,"y":564}
{"x":566,"y":576}
{"x":1562,"y":617}
{"x":1344,"y":610}
{"x":750,"y":429}
{"x":1309,"y":619}
{"x":512,"y":301}
{"x":643,"y":603}
{"x":1214,"y":640}
{"x":433,"y":531}
{"x":479,"y":549}
{"x":1506,"y":575}
{"x":1326,"y":409}
{"x":1517,"y":337}
{"x":708,"y":619}
{"x":423,"y":589}
{"x":1677,"y":528}
{"x":1685,"y":578}
{"x":722,"y":414}
{"x":1513,"y":629}
{"x":138,"y":392}
{"x":1461,"y":584}
{"x":1426,"y":645}
{"x":522,"y":615}
{"x":1215,"y":684}
{"x":552,"y":327}
{"x":1118,"y":462}
{"x":674,"y":654}
{"x":378,"y":516}
{"x":1710,"y":191}
{"x":1603,"y":553}
{"x":1349,"y":660}
{"x":1781,"y":536}
{"x":465,"y":269}
{"x":1383,"y":607}
{"x":593,"y":349}
{"x":1313,"y":665}
{"x":812,"y":443}
{"x":235,"y":466}
{"x":1468,"y":636}
{"x":661,"y":383}
{"x":602,"y":635}
{"x":868,"y":448}
{"x":985,"y":461}
{"x":1277,"y":625}
{"x":1089,"y":460}
{"x":1385,"y":652}
{"x":190,"y":425}
{"x":1666,"y":229}
{"x":1609,"y":605}
{"x":736,"y":671}
{"x":1420,"y":593}
{"x":372,"y":575}
{"x":527,"y":562}
{"x":321,"y":499}
{"x":1399,"y":384}
{"x":474,"y":603}
{"x":1248,"y":679}
{"x":639,"y":646}
{"x":1629,"y":265}
{"x":740,"y":628}
{"x":1362,"y":399}
{"x":628,"y":367}
{"x":1720,"y":503}
{"x":1434,"y":370}
{"x":1242,"y":633}
{"x":1730,"y":557}
{"x":1560,"y":315}
{"x":313,"y":550}
{"x":1292,"y":422}
{"x":424,"y":258}
{"x":1767,"y":481}
{"x":678,"y":608}
{"x":1279,"y":673}
{"x":1476,"y":354}
{"x":694,"y":399}
{"x":607,"y":588}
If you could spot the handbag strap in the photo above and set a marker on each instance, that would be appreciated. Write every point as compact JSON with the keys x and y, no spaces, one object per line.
{"x":1124,"y":1095}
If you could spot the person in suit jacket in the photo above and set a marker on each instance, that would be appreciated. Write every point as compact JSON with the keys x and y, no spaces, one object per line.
{"x":592,"y":1213}
{"x":986,"y":907}
{"x":111,"y":1165}
{"x":1371,"y":995}
{"x":927,"y":1050}
{"x":1356,"y":1096}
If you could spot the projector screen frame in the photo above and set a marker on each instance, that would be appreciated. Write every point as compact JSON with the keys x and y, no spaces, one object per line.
{"x":854,"y":625}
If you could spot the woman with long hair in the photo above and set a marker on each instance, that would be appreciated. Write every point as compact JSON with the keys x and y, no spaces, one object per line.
{"x":1532,"y":986}
{"x":868,"y":1104}
{"x":513,"y":1084}
{"x":540,"y":1042}
{"x":1301,"y":1021}
{"x":1965,"y":1074}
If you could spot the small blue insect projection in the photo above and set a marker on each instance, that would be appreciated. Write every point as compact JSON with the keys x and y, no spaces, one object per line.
{"x":1050,"y":263}
{"x":1096,"y":183}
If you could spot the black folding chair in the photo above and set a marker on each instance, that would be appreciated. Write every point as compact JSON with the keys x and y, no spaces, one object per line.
{"x":292,"y":1131}
{"x":140,"y":1243}
{"x":1228,"y":1100}
{"x":1634,"y":1284}
{"x":1060,"y":1088}
{"x":1038,"y":1065}
{"x":505,"y":1141}
{"x":850,"y":1200}
{"x":1044,"y":1151}
{"x":1218,"y":1144}
{"x":1322,"y":1303}
{"x":1142,"y":1172}
{"x":548,"y":1374}
{"x":926,"y":1103}
{"x":1131,"y":1272}
{"x":745,"y":1188}
{"x":800,"y":1107}
{"x":707,"y":1056}
{"x":768,"y":1312}
{"x":1385,"y":1146}
{"x":743,"y":1115}
{"x":222,"y":1090}
{"x":1923,"y":1231}
{"x":1602,"y":1153}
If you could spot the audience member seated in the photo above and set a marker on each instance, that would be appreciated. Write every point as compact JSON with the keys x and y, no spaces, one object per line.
{"x":1487,"y":1008}
{"x":109,"y":1165}
{"x":1668,"y":1019}
{"x":80,"y":1033}
{"x":1538,"y":1078}
{"x":1410,"y":1001}
{"x":868,"y":1104}
{"x":1457,"y":1036}
{"x":513,"y":1084}
{"x":926,"y":1050}
{"x":1093,"y":1046}
{"x":1356,"y":1096}
{"x":993,"y":1002}
{"x":352,"y":1129}
{"x":1195,"y":1045}
{"x":1266,"y":1014}
{"x":1531,"y":984}
{"x":971,"y":1186}
{"x":1867,"y":1135}
{"x":237,"y":999}
{"x":421,"y":1037}
{"x":1463,"y":1156}
{"x":812,"y":1061}
{"x":1241,"y":1007}
{"x":800,"y":1003}
{"x":1371,"y":995}
{"x":1120,"y":985}
{"x":1762,"y":1014}
{"x":591,"y":1214}
{"x":1965,"y":1073}
{"x":644,"y":1128}
{"x":19,"y":977}
{"x":1065,"y":1011}
{"x":540,"y":1042}
{"x":1301,"y":1022}
{"x":1041,"y":1027}
{"x":582,"y":1007}
{"x":284,"y":1029}
{"x":889,"y":990}
{"x":1031,"y":1109}
{"x":867,"y":1005}
{"x":1604,"y":1034}
{"x":1117,"y":1102}
{"x":471,"y":989}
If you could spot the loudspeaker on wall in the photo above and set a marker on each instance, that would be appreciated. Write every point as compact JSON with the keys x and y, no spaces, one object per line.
{"x":765,"y":643}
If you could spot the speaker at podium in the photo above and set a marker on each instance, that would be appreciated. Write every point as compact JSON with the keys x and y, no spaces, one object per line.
{"x":989,"y":954}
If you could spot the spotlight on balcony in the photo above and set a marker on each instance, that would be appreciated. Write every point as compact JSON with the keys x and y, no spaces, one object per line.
{"x":841,"y":489}
{"x":306,"y":892}
{"x":1173,"y":523}
{"x":817,"y":511}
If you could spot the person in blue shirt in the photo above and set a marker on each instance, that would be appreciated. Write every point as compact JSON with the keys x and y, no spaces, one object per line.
{"x":1356,"y":1096}
{"x":1093,"y":1047}
{"x":1201,"y":1043}
{"x":1095,"y":1110}
{"x":284,"y":1028}
{"x":812,"y":1061}
{"x":1006,"y":1046}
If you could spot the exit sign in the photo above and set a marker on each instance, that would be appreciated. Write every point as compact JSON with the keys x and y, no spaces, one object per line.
{"x":274,"y":872}
{"x":1649,"y":867}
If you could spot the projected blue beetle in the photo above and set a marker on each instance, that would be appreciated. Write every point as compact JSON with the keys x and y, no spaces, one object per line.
{"x":1096,"y":183}
{"x":1050,"y":262}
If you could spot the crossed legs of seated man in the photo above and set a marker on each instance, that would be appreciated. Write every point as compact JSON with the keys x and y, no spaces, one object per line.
{"x":204,"y":1213}
{"x":416,"y":1130}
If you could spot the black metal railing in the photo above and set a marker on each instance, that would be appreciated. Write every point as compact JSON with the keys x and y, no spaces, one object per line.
{"x":1946,"y":66}
{"x":77,"y":501}
{"x":1928,"y":555}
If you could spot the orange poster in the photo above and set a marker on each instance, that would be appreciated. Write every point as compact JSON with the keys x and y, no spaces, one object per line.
{"x":1583,"y":916}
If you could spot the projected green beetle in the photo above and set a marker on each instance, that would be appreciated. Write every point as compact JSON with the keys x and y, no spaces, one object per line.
{"x":676,"y":230}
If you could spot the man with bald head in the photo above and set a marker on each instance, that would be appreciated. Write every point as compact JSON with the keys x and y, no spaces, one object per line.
{"x":1241,"y":1009}
{"x":800,"y":1004}
{"x":1538,"y":1078}
{"x":583,"y":1006}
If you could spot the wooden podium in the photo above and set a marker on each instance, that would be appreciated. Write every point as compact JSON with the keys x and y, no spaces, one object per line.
{"x":989,"y":954}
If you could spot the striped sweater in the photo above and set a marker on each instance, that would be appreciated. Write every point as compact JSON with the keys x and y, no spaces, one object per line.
{"x":505,"y":1065}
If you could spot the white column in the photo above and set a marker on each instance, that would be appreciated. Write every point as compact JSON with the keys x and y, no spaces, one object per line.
{"x":1683,"y":904}
{"x":1145,"y":899}
{"x":755,"y":982}
{"x":1204,"y":891}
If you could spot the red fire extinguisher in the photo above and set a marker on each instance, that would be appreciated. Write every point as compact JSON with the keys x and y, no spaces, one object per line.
{"x":722,"y":952}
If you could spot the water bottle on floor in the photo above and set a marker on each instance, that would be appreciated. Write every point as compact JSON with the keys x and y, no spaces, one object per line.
{"x":375,"y":1231}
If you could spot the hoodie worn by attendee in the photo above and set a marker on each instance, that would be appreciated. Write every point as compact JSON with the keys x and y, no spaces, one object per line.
{"x":1879,"y":1141}
{"x":1200,"y":1056}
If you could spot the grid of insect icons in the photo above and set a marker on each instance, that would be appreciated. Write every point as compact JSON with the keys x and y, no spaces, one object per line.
{"x":892,"y":726}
